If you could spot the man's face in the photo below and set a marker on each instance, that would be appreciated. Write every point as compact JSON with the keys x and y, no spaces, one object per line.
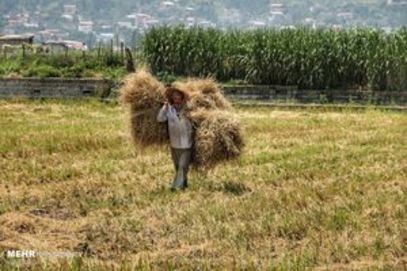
{"x":177,"y":99}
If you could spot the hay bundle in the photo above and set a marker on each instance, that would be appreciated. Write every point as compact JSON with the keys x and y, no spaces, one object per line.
{"x":145,"y":96}
{"x":218,"y":137}
{"x":203,"y":93}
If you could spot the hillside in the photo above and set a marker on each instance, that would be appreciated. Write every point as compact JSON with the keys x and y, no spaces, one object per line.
{"x":368,"y":11}
{"x":94,"y":21}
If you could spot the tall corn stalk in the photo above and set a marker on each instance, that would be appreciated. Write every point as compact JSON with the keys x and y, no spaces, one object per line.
{"x":318,"y":59}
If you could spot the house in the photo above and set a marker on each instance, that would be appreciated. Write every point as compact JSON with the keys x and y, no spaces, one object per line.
{"x":106,"y":27}
{"x":68,"y":17}
{"x":31,"y":25}
{"x":63,"y":45}
{"x":311,"y":22}
{"x":70,"y":10}
{"x":85,"y":26}
{"x":105,"y":37}
{"x":396,"y":2}
{"x":76,"y":45}
{"x":142,"y":17}
{"x":151,"y":22}
{"x":131,"y":16}
{"x":206,"y":23}
{"x":276,"y":13}
{"x":257,"y":23}
{"x":17,"y":20}
{"x":231,"y":16}
{"x":277,"y":9}
{"x":16,"y":39}
{"x":190,"y":20}
{"x":125,"y":24}
{"x":142,"y":20}
{"x":49,"y":34}
{"x":167,"y":4}
{"x":345,"y":16}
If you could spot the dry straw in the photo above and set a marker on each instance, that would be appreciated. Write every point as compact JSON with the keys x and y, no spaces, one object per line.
{"x":217,"y":133}
{"x":145,"y":96}
{"x":218,"y":137}
{"x":203,"y":93}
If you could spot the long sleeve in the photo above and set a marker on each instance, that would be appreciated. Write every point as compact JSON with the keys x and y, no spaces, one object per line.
{"x":162,"y":115}
{"x":180,"y":130}
{"x":179,"y":127}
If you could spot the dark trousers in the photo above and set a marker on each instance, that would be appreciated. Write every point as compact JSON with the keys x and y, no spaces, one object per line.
{"x":181,"y":159}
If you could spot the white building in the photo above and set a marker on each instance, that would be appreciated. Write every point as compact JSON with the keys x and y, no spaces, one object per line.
{"x":61,"y":45}
{"x":277,"y":8}
{"x":70,"y":9}
{"x":125,"y":24}
{"x":277,"y":13}
{"x":105,"y":37}
{"x":167,"y":4}
{"x":397,"y":2}
{"x":257,"y":23}
{"x":85,"y":26}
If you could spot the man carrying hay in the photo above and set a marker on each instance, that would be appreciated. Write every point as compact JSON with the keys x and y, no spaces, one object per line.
{"x":203,"y":131}
{"x":181,"y":134}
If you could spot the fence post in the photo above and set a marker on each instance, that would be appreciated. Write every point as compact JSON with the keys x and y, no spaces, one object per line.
{"x":23,"y":47}
{"x":129,"y":61}
{"x":111,"y":49}
{"x":403,"y":77}
{"x":122,"y":52}
{"x":99,"y":51}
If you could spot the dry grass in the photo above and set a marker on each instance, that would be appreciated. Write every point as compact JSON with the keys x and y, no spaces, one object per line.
{"x":314,"y":189}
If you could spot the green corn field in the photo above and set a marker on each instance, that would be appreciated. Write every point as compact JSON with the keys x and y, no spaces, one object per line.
{"x":312,"y":59}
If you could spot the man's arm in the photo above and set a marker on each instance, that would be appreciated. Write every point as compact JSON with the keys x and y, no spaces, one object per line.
{"x":162,"y":115}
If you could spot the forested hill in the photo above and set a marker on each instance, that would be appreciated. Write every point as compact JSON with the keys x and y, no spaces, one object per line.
{"x":364,"y":12}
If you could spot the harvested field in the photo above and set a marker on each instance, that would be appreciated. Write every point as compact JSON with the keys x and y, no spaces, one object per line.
{"x":313,"y":189}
